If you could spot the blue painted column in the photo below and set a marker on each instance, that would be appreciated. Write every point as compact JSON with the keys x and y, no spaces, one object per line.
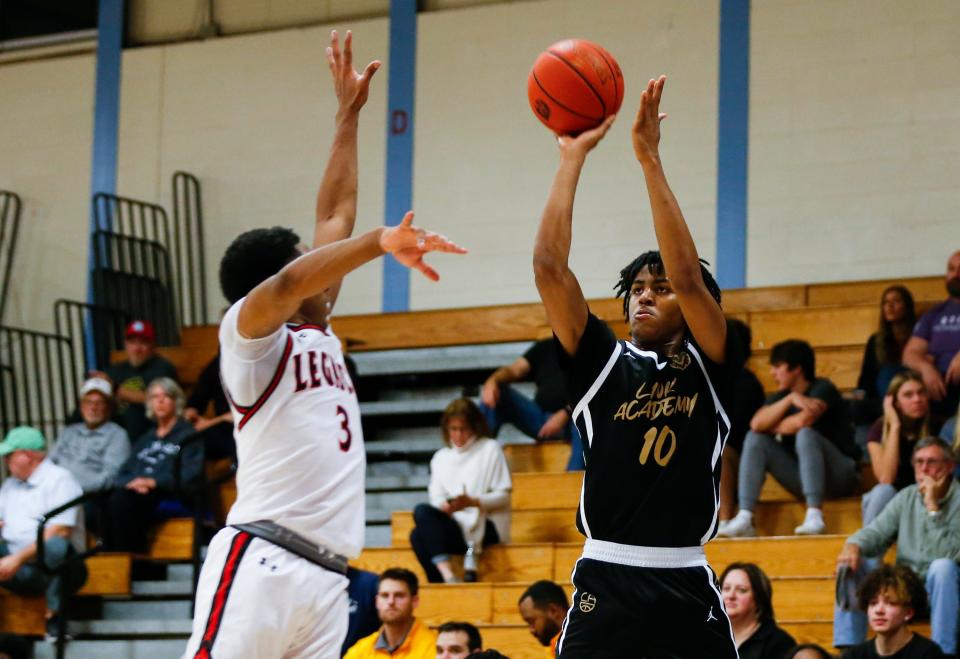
{"x":106,"y":122}
{"x":399,"y":175}
{"x":732,"y":143}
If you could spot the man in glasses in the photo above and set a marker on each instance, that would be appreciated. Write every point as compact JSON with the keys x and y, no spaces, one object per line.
{"x":924,"y":520}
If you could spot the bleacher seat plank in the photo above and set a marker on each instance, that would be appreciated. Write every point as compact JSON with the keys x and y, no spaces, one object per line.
{"x":515,"y":562}
{"x":108,"y":574}
{"x":562,"y":489}
{"x":200,"y":335}
{"x":785,"y":556}
{"x":540,"y":457}
{"x":22,"y":615}
{"x":470,"y":602}
{"x":924,"y":289}
{"x":828,"y":326}
{"x":172,"y":540}
{"x":772,"y":518}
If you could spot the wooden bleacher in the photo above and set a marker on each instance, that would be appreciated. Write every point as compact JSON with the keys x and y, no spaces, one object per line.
{"x":108,"y":574}
{"x":836,"y":318}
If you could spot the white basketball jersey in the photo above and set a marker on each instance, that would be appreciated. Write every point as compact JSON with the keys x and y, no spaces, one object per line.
{"x":296,"y":421}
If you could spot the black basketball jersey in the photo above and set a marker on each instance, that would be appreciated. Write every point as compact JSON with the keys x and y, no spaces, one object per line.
{"x":653,"y":428}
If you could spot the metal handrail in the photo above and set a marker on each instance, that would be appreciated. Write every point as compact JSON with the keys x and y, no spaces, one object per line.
{"x":72,"y":319}
{"x":9,"y":228}
{"x":190,"y":261}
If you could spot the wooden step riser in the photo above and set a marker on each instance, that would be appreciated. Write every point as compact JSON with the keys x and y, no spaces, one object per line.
{"x":559,"y":525}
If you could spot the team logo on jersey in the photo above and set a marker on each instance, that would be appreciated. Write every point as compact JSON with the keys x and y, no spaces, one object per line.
{"x":587,"y":602}
{"x":680,"y":361}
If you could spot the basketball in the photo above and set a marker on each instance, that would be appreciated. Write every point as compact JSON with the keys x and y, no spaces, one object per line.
{"x":574,"y":85}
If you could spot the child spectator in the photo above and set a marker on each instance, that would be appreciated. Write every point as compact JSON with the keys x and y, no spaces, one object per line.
{"x":748,"y":600}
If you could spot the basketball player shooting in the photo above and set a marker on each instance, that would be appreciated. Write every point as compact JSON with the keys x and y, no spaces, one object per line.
{"x":273,"y":583}
{"x":651,"y":412}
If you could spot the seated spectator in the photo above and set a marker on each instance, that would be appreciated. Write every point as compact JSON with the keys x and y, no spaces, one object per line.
{"x":808,"y":651}
{"x":934,"y":349}
{"x":544,"y":417}
{"x":217,"y":430}
{"x":35,"y":487}
{"x":802,"y":436}
{"x":905,"y":421}
{"x":457,"y":640}
{"x":950,"y":433}
{"x":892,"y":596}
{"x":131,"y":376}
{"x":924,"y":520}
{"x":543,"y":606}
{"x":748,"y":600}
{"x":362,"y":595}
{"x":147,"y":478}
{"x":93,"y":450}
{"x":747,"y":400}
{"x":469,"y":494}
{"x":883,"y":355}
{"x":401,"y":635}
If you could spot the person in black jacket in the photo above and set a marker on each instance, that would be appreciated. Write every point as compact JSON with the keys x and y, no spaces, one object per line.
{"x":217,"y":430}
{"x":748,"y":599}
{"x":147,"y":478}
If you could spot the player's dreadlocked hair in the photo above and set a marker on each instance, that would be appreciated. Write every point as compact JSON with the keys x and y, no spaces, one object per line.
{"x":253,"y":257}
{"x":654,"y":263}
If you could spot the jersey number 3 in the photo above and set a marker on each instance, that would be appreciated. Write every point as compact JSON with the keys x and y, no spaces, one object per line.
{"x":345,"y":427}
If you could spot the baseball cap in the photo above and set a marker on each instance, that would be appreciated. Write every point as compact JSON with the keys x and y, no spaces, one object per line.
{"x":97,"y":384}
{"x":140,"y":329}
{"x":23,"y":438}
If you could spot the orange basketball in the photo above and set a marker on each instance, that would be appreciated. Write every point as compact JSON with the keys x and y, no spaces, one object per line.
{"x":574,"y":85}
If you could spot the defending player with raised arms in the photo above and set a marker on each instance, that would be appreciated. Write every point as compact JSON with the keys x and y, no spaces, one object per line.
{"x":651,"y":412}
{"x":273,"y":582}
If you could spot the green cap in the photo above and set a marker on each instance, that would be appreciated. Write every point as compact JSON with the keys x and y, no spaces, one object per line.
{"x":23,"y":438}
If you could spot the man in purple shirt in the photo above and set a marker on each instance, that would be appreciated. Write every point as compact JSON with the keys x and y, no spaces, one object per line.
{"x":934,"y":348}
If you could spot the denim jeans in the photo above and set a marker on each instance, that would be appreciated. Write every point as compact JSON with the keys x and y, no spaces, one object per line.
{"x":31,"y":580}
{"x":943,"y":591}
{"x":524,"y":413}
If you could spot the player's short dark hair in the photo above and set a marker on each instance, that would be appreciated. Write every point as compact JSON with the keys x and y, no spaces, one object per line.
{"x":793,"y":353}
{"x":654,"y":263}
{"x":809,"y":646}
{"x":744,"y":335}
{"x":470,"y":413}
{"x":474,"y":642}
{"x":902,"y":583}
{"x":543,"y":593}
{"x":253,"y":257}
{"x":400,"y":574}
{"x":759,"y":584}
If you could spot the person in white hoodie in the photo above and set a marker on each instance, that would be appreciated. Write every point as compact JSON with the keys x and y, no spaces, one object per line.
{"x":469,"y":494}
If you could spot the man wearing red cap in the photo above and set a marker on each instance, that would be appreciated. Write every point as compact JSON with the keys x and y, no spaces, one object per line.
{"x":131,"y":377}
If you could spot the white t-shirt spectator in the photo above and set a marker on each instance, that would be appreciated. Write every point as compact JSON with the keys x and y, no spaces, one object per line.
{"x":23,"y":503}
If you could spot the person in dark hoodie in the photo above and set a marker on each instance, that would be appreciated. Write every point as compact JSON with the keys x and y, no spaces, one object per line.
{"x":148,"y":477}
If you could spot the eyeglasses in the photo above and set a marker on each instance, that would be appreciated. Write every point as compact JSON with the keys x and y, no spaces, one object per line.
{"x":923,"y":462}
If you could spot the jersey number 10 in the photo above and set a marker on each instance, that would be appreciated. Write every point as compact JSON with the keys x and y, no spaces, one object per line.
{"x":658,"y":443}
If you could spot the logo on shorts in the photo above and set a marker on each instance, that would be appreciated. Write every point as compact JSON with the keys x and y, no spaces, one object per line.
{"x":587,"y":602}
{"x":710,"y":615}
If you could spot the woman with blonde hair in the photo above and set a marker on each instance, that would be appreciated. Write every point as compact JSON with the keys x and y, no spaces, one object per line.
{"x":469,"y":493}
{"x":906,"y":419}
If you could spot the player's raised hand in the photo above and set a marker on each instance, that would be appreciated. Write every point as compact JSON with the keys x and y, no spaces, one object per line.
{"x":351,"y":87}
{"x":646,"y":127}
{"x":408,"y":244}
{"x":583,"y":143}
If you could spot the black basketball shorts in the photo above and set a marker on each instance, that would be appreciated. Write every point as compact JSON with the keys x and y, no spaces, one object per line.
{"x":651,"y":603}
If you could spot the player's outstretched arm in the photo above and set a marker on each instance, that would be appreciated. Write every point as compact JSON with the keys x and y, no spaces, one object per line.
{"x":337,"y":197}
{"x":558,"y":286}
{"x":276,"y":300}
{"x":703,"y":315}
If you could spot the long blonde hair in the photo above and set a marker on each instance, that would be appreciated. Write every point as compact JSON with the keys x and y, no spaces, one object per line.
{"x":911,"y":430}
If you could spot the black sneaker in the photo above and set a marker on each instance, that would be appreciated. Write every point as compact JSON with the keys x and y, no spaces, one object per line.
{"x":52,"y":629}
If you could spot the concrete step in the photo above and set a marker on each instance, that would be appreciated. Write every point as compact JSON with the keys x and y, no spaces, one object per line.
{"x":395,"y":500}
{"x":418,"y":481}
{"x":134,"y":628}
{"x":397,"y":469}
{"x":425,"y":441}
{"x":438,"y":360}
{"x":162,"y":589}
{"x":423,"y":401}
{"x":115,"y":649}
{"x":152,"y":609}
{"x":376,"y":535}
